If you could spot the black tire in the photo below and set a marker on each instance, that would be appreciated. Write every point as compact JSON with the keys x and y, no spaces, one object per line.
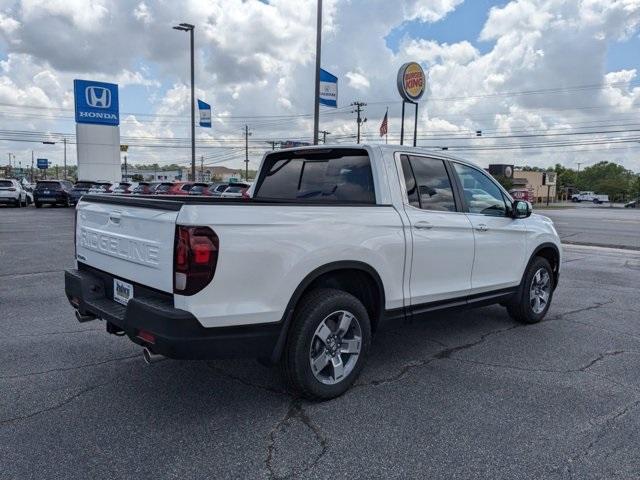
{"x":312,"y":310}
{"x":38,"y":204}
{"x":18,"y":203}
{"x":67,"y":203}
{"x":520,"y":308}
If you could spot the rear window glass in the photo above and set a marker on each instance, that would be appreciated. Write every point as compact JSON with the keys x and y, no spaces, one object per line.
{"x":6,"y":183}
{"x":234,"y":189}
{"x":47,"y":185}
{"x":83,"y":185}
{"x":163,"y":188}
{"x":325,"y":176}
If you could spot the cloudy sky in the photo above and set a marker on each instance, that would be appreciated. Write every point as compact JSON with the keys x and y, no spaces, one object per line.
{"x":545,"y":80}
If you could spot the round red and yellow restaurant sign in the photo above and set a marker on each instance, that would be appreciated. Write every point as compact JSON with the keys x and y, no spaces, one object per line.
{"x":411,"y":81}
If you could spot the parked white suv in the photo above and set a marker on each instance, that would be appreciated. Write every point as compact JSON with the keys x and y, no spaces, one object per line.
{"x":11,"y":192}
{"x":334,"y":241}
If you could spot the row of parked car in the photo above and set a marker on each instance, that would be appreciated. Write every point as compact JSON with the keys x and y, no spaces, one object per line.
{"x":63,"y":192}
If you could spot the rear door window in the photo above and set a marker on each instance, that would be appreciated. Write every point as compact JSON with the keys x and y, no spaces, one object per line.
{"x":323,"y":176}
{"x":428,"y":184}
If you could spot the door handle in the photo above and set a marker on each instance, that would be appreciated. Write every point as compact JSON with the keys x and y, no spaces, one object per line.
{"x":423,"y":226}
{"x":482,"y":227}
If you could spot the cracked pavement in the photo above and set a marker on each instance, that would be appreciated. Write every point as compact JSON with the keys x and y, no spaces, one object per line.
{"x":466,"y":395}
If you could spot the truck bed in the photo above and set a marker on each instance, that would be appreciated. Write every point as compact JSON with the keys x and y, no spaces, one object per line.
{"x":175,"y":202}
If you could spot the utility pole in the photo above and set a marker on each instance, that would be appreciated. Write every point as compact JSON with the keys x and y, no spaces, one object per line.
{"x":316,"y":104}
{"x":247,"y":133}
{"x":202,"y":168}
{"x":359,"y":119}
{"x":31,"y":166}
{"x":64,"y":140}
{"x":126,"y":170}
{"x":324,"y":135}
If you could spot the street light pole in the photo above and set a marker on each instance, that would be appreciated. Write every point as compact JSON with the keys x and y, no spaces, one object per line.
{"x":187,"y":27}
{"x":316,"y":105}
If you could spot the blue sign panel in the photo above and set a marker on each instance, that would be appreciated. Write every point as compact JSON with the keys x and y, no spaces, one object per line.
{"x":205,"y":113}
{"x":43,"y":163}
{"x":328,"y":89}
{"x":96,"y":102}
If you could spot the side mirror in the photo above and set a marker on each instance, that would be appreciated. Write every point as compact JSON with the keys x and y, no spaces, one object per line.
{"x":521,"y":209}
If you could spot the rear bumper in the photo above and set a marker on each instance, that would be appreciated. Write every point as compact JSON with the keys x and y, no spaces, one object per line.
{"x":10,"y":200}
{"x":178,"y":334}
{"x":54,"y":198}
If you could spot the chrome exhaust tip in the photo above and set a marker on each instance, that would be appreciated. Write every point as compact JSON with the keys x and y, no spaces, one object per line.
{"x":84,"y":318}
{"x":150,"y":357}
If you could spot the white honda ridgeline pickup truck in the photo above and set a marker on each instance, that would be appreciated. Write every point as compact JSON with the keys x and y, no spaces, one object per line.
{"x":333,"y":241}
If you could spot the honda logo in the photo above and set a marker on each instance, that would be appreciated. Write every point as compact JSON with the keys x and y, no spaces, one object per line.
{"x":98,"y":97}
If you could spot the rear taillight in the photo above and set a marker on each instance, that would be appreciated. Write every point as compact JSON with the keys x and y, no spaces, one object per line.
{"x":195,"y":259}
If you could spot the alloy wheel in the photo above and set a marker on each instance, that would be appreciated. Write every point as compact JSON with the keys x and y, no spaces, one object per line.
{"x":540,"y":290}
{"x":335,"y":347}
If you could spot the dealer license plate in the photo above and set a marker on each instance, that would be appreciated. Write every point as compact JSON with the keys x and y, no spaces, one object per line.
{"x":122,"y":291}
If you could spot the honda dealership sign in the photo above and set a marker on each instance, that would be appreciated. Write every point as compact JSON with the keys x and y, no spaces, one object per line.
{"x":96,"y":102}
{"x":97,"y":130}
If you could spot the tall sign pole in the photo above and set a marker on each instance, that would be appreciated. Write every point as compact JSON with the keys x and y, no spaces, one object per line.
{"x":316,"y":104}
{"x":402,"y":125}
{"x":411,"y":83}
{"x":193,"y":113}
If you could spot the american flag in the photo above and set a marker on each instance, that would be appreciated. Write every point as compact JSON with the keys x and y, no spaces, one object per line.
{"x":384,"y":125}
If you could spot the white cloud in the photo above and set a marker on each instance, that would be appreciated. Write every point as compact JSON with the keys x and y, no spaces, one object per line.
{"x":358,"y":81}
{"x":256,"y":59}
{"x":143,"y":14}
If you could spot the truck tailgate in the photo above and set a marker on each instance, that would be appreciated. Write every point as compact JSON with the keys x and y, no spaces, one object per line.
{"x":131,"y":242}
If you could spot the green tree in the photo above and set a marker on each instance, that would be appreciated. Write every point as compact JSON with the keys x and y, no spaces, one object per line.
{"x":608,"y":178}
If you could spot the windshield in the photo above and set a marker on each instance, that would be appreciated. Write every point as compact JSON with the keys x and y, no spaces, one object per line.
{"x":48,"y":186}
{"x":164,"y":187}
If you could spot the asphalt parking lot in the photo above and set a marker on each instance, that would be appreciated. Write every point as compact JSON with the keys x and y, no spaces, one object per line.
{"x":464,"y":395}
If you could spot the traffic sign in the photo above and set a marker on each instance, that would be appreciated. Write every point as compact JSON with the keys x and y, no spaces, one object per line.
{"x":43,"y":163}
